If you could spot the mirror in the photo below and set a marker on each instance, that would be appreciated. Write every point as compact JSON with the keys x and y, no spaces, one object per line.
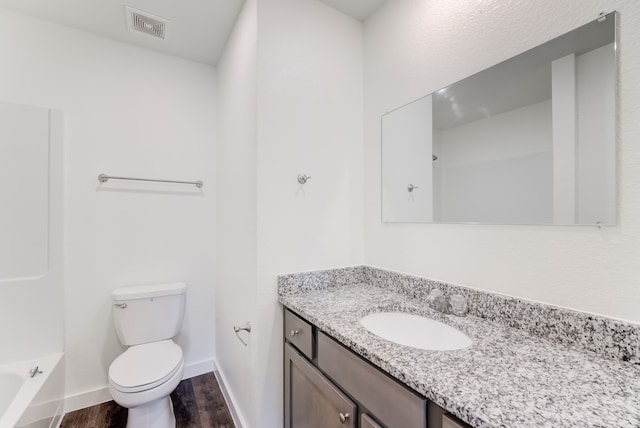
{"x":528,"y":141}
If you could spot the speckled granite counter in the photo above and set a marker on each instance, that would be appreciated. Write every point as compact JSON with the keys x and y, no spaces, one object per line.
{"x":508,"y":378}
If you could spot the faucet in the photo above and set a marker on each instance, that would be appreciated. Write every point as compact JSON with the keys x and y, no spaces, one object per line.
{"x":441,"y":304}
{"x":34,"y":371}
{"x":456,"y":304}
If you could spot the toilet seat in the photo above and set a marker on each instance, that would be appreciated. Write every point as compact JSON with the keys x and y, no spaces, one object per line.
{"x":143,"y":367}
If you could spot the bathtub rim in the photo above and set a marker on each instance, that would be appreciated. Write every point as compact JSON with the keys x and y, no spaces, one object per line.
{"x":30,"y":386}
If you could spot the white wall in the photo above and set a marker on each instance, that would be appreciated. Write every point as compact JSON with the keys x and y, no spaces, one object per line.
{"x":127,"y":111}
{"x":498,"y":169}
{"x":309,"y":122}
{"x":307,"y":66}
{"x":506,"y":191}
{"x":413,"y":48}
{"x":237,"y":209}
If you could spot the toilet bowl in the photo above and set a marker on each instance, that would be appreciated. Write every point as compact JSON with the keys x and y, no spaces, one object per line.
{"x":143,"y":376}
{"x":141,"y":380}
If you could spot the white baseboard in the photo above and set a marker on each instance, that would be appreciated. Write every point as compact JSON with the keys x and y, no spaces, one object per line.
{"x":199,"y":368}
{"x":57,"y":421}
{"x":86,"y":399}
{"x":238,"y":418}
{"x":90,"y":398}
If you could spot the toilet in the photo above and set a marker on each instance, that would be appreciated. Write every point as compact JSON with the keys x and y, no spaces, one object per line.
{"x":146,"y":318}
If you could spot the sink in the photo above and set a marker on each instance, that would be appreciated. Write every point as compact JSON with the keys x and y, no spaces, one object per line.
{"x":415,"y":331}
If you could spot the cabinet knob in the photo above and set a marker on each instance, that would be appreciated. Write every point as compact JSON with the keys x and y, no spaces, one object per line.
{"x":344,"y":417}
{"x":294,"y":333}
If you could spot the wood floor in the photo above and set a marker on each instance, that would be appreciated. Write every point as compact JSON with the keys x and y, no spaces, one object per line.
{"x":197,"y":403}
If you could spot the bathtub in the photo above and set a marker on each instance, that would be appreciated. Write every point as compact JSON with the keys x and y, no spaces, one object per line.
{"x":32,"y":402}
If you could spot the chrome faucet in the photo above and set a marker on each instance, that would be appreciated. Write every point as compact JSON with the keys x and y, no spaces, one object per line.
{"x":437,"y":300}
{"x":34,"y":371}
{"x":441,"y":304}
{"x":456,"y":304}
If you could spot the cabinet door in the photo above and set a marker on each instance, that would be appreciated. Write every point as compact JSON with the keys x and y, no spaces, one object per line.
{"x":310,"y":399}
{"x":367,"y":422}
{"x":451,"y":422}
{"x":392,"y":403}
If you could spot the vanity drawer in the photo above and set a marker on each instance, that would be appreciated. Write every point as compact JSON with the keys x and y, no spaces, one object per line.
{"x":298,"y":332}
{"x":392,"y":403}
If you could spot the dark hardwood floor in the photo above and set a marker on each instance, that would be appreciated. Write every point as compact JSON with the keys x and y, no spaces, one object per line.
{"x":197,"y":403}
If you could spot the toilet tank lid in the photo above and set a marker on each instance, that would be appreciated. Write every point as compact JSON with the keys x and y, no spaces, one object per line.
{"x":150,"y":290}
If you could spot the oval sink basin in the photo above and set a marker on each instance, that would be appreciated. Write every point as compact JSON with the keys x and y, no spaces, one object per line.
{"x":415,"y":331}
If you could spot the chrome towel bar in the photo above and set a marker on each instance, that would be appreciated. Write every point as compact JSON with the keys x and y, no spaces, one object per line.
{"x":103,"y":178}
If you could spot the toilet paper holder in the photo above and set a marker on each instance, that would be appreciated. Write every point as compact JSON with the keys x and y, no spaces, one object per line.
{"x":246,"y":327}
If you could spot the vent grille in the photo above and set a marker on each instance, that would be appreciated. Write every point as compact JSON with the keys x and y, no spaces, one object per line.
{"x":146,"y":23}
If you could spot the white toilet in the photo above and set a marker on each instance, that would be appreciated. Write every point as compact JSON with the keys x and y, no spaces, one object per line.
{"x":146,"y":317}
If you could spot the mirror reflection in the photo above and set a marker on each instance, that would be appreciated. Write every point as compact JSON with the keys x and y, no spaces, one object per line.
{"x":528,"y":141}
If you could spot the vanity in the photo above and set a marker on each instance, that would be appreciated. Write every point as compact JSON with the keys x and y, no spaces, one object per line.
{"x":326,"y":384}
{"x":339,"y":374}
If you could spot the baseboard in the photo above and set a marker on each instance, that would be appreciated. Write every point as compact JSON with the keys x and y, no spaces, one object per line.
{"x":90,"y":398}
{"x":57,"y":421}
{"x":86,"y":399}
{"x":238,"y":419}
{"x":199,"y":368}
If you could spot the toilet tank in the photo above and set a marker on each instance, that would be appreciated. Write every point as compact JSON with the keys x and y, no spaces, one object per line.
{"x":148,"y":313}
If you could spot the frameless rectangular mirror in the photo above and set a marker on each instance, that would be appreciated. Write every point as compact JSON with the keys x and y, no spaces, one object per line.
{"x":528,"y":141}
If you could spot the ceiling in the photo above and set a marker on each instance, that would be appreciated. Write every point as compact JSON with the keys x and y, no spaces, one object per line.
{"x":197,"y":29}
{"x":359,"y":9}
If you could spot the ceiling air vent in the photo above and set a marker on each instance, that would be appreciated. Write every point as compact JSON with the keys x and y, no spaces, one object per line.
{"x":144,"y":22}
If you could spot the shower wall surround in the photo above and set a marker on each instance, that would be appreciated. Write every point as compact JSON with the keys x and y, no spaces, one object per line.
{"x":581,"y":331}
{"x":31,"y":240}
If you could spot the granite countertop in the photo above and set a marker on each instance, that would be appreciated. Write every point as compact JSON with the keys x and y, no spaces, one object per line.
{"x":507,"y":378}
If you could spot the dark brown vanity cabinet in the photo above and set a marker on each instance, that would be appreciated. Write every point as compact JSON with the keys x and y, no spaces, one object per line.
{"x":392,"y":403}
{"x":327,"y":385}
{"x":311,"y":401}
